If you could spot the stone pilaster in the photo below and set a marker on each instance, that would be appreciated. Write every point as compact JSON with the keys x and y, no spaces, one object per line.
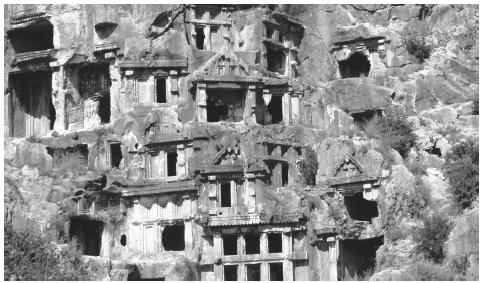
{"x":201,"y":102}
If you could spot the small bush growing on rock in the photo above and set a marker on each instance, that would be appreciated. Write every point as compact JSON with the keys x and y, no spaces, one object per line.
{"x":428,"y":271}
{"x":396,"y":131}
{"x":32,"y":256}
{"x":476,"y":105}
{"x":308,"y":167}
{"x":431,"y":237}
{"x":413,"y":37}
{"x":461,"y":168}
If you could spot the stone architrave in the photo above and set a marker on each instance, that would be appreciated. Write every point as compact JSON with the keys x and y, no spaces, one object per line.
{"x":91,"y":116}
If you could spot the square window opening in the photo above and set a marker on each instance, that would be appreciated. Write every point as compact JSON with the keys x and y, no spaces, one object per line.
{"x":275,"y":243}
{"x":253,"y":272}
{"x":230,"y":273}
{"x":230,"y":244}
{"x":252,"y":244}
{"x":276,"y":271}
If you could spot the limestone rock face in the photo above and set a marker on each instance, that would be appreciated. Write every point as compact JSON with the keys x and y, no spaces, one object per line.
{"x":463,"y":239}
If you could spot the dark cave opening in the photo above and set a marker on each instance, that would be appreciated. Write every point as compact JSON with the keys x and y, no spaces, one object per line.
{"x":88,"y":234}
{"x":34,"y":37}
{"x":200,"y":37}
{"x":360,"y":208}
{"x":355,"y":66}
{"x":357,"y":258}
{"x":276,"y":61}
{"x":253,"y":272}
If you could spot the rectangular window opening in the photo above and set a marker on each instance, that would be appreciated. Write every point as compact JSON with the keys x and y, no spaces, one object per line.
{"x":172,"y":158}
{"x":161,"y":90}
{"x":252,"y":244}
{"x":275,"y":243}
{"x":200,"y":37}
{"x":225,"y":194}
{"x":275,"y":60}
{"x":230,"y":273}
{"x":284,"y":174}
{"x":276,"y":271}
{"x":230,"y":244}
{"x":116,"y":155}
{"x":253,"y":272}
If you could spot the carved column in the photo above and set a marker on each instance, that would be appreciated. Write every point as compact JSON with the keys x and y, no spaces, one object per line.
{"x":287,"y":250}
{"x":251,"y":104}
{"x":218,"y":251}
{"x":333,"y":247}
{"x":201,"y":102}
{"x":286,"y":107}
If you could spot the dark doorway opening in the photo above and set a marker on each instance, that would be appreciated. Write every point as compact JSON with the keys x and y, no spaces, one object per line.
{"x":253,"y":272}
{"x":173,"y":238}
{"x":360,"y":208}
{"x":200,"y":37}
{"x":116,"y":155}
{"x":104,"y":108}
{"x":225,"y":105}
{"x":275,"y":243}
{"x":172,"y":158}
{"x":252,"y":244}
{"x":355,"y":66}
{"x":276,"y":60}
{"x":276,"y":271}
{"x":123,"y":240}
{"x":52,"y":115}
{"x":362,"y":118}
{"x":104,"y":30}
{"x":230,"y":272}
{"x":34,"y":37}
{"x":161,"y":90}
{"x":31,"y":110}
{"x":284,"y":174}
{"x":225,"y":194}
{"x":357,"y":258}
{"x":275,"y":109}
{"x":230,"y":244}
{"x":88,"y":234}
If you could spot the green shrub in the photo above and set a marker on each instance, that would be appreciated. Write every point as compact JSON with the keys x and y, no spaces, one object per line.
{"x":396,"y":131}
{"x":414,"y":39}
{"x":33,"y":256}
{"x":428,"y":271}
{"x":431,"y":237}
{"x":308,"y":166}
{"x":476,"y":105}
{"x":417,"y":167}
{"x":461,"y":168}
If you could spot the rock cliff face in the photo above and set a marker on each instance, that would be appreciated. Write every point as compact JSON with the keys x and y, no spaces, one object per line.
{"x":202,"y":116}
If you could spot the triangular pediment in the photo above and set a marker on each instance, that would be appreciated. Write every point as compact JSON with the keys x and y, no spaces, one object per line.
{"x":229,"y":155}
{"x":224,"y":64}
{"x":348,"y":167}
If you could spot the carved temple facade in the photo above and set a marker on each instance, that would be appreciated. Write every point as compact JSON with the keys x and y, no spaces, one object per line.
{"x":171,"y":209}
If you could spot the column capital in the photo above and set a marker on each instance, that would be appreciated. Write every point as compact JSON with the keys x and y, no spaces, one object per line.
{"x":201,"y":86}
